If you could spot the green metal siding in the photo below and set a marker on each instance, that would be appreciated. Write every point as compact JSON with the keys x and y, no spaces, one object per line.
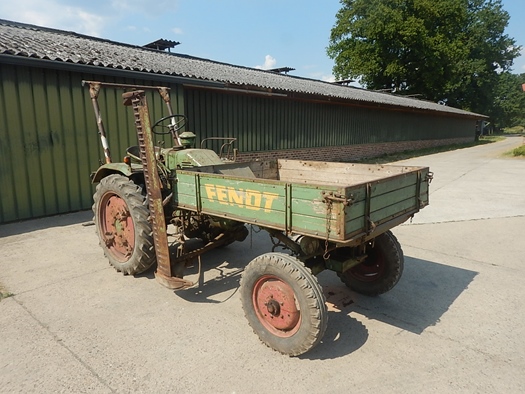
{"x":49,"y":138}
{"x":271,"y":123}
{"x":49,"y":141}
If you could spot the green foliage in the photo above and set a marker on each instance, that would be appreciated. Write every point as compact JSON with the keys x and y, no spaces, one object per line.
{"x":508,"y":107}
{"x":514,"y":130}
{"x":445,"y":50}
{"x":520,"y":151}
{"x":490,"y":138}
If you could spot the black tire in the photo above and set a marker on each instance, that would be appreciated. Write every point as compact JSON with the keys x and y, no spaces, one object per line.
{"x":276,"y":280}
{"x":121,"y":222}
{"x":381,"y":270}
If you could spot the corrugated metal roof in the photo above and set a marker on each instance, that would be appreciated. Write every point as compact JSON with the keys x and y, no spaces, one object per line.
{"x":18,"y":39}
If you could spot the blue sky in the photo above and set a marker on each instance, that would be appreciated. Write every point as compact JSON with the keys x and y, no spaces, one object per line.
{"x":250,"y":33}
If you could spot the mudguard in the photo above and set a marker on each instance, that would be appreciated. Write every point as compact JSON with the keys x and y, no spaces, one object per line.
{"x":115,"y":168}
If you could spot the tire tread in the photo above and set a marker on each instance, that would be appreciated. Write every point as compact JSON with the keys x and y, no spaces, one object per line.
{"x":143,"y":257}
{"x":301,"y":275}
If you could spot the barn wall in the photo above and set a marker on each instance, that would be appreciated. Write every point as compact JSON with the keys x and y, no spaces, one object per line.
{"x":264,"y":124}
{"x":349,"y":152}
{"x":49,"y":138}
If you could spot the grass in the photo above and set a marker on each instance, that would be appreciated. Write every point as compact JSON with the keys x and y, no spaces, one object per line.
{"x":514,"y":130}
{"x":4,"y":293}
{"x":484,"y":139}
{"x":520,"y":151}
{"x":390,"y":157}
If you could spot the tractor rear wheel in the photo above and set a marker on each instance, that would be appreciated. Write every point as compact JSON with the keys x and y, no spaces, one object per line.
{"x":380,"y":271}
{"x":284,"y":303}
{"x":121,"y":221}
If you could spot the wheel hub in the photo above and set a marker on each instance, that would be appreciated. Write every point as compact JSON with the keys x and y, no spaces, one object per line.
{"x":117,"y":227}
{"x":276,"y":306}
{"x":372,"y":268}
{"x":273,"y":307}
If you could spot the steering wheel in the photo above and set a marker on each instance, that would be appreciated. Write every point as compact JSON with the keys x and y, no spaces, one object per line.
{"x":174,"y":126}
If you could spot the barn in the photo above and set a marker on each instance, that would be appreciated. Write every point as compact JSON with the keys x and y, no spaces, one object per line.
{"x":48,"y":133}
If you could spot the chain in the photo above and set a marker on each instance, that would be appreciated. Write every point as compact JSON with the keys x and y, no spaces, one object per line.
{"x":276,"y":244}
{"x":253,"y":230}
{"x":329,"y":204}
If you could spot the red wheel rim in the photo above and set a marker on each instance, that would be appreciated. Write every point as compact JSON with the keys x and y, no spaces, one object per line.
{"x":276,"y":306}
{"x":116,"y":227}
{"x":371,"y":269}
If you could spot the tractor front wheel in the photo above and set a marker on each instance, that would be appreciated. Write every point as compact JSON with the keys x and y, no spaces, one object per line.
{"x":121,"y":221}
{"x":284,"y":303}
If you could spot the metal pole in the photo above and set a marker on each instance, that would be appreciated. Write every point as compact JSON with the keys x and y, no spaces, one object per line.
{"x":94,"y":89}
{"x":165,"y":94}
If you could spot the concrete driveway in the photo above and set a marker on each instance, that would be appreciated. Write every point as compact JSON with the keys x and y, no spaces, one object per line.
{"x":454,"y":323}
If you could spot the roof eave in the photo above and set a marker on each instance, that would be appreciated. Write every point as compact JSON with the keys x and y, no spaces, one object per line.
{"x":19,"y":60}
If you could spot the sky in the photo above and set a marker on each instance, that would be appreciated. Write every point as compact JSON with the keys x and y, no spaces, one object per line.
{"x":252,"y":33}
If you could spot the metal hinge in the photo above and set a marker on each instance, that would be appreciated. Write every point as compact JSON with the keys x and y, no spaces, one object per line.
{"x":334,"y":197}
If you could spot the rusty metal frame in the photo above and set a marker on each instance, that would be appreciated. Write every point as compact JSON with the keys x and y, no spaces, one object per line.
{"x":231,"y":153}
{"x":134,"y":96}
{"x":94,"y":90}
{"x":164,"y":274}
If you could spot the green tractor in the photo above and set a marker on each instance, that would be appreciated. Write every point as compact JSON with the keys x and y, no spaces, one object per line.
{"x":121,"y":209}
{"x":327,"y":216}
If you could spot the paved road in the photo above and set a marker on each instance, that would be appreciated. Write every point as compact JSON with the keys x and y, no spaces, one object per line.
{"x":474,"y":183}
{"x":453,"y":324}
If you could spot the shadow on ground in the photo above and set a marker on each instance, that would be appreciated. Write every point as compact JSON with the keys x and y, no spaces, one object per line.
{"x":425,"y":292}
{"x":222,"y":270}
{"x":27,"y":226}
{"x":344,"y":335}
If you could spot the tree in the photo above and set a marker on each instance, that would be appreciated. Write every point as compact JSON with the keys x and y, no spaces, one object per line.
{"x":445,"y":50}
{"x":509,"y":100}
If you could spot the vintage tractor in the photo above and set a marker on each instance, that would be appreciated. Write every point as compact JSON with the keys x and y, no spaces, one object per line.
{"x":332,"y":216}
{"x":123,"y":217}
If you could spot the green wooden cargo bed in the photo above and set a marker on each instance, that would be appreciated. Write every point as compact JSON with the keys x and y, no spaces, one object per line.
{"x":341,"y":202}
